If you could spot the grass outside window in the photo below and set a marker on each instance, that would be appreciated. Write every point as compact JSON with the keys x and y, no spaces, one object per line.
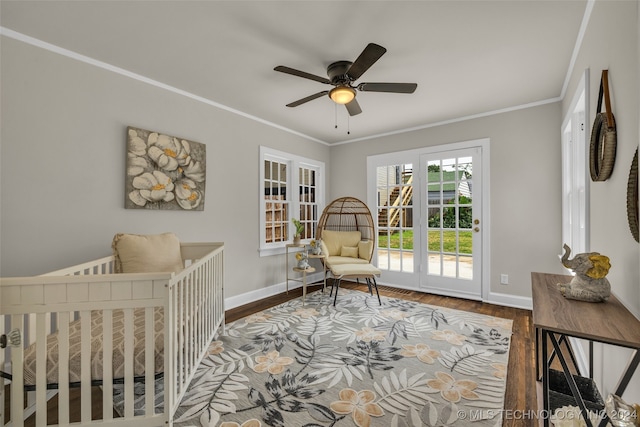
{"x":448,"y":238}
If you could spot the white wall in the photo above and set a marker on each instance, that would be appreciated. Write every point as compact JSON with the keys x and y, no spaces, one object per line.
{"x":63,"y":167}
{"x":611,"y":42}
{"x":525,"y":187}
{"x":63,"y":160}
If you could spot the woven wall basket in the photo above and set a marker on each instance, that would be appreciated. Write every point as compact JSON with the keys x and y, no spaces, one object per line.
{"x":632,"y":197}
{"x":602,"y":150}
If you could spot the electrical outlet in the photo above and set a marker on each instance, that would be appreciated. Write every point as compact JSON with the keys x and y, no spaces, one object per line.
{"x":504,"y":279}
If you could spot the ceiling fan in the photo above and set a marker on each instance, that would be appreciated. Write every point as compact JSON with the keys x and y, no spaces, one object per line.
{"x":342,"y":74}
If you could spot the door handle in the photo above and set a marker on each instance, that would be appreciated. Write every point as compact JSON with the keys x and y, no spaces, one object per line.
{"x":476,"y":221}
{"x":477,"y":229}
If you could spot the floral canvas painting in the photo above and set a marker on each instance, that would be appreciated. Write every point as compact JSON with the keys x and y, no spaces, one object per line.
{"x":164,"y":172}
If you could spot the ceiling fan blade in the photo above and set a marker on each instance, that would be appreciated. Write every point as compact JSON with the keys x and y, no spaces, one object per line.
{"x":388,"y":87}
{"x":353,"y":107}
{"x":302,"y":74}
{"x":308,"y":98}
{"x":367,"y":58}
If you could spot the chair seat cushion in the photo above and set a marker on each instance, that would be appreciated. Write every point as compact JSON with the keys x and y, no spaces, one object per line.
{"x":354,"y":270}
{"x":336,"y":260}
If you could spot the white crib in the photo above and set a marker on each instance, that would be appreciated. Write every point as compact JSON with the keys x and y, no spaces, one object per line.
{"x":42,"y":308}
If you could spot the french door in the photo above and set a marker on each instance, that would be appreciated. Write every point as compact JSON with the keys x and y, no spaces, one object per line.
{"x":451,"y":222}
{"x":395,"y":214}
{"x":432,"y":221}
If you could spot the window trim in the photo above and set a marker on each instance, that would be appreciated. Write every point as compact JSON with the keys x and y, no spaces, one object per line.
{"x":575,"y":170}
{"x":294,"y":162}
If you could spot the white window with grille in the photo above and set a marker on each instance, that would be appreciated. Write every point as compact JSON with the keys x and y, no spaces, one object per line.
{"x":308,"y":198}
{"x":290,"y":187}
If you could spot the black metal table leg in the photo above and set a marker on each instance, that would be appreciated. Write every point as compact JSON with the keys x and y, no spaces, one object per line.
{"x":565,"y":340}
{"x":570,"y":380}
{"x":591,"y":360}
{"x":545,"y":377}
{"x":538,"y":378}
{"x":628,"y":373}
{"x":624,"y":380}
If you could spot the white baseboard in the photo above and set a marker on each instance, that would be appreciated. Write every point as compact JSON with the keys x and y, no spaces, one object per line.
{"x":252,"y":296}
{"x":447,"y":293}
{"x":258,"y":294}
{"x":510,"y":300}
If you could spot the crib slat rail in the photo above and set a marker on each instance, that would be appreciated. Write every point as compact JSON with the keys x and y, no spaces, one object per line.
{"x":191,"y":303}
{"x":115,"y":317}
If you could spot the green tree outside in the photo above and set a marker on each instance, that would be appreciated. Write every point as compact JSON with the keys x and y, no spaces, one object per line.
{"x":449,"y":217}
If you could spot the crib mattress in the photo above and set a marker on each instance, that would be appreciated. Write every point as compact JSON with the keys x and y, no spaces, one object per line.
{"x":97,"y":348}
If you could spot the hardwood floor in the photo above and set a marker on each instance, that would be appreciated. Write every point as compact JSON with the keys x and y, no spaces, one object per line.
{"x":520,"y":396}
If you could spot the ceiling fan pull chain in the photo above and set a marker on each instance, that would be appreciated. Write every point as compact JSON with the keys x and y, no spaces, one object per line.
{"x":348,"y":125}
{"x":335,"y":113}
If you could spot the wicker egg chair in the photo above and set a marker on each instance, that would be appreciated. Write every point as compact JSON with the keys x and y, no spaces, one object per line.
{"x":347,"y":214}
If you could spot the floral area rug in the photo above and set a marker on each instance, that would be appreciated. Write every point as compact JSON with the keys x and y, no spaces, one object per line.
{"x":397,"y":365}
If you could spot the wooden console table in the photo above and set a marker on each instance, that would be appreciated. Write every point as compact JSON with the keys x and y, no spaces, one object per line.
{"x":558,"y":318}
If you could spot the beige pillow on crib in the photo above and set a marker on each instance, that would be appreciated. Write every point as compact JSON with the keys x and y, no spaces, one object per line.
{"x":153,"y":253}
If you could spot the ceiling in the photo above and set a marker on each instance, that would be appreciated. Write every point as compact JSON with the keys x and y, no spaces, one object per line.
{"x":467,"y":57}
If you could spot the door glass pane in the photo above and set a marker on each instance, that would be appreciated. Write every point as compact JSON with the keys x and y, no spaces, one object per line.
{"x":450,"y":227}
{"x":435,"y":264}
{"x":383,"y":259}
{"x":395,"y":217}
{"x":449,"y":217}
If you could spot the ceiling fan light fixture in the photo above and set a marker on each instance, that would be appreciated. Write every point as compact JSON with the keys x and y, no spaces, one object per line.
{"x":342,"y":94}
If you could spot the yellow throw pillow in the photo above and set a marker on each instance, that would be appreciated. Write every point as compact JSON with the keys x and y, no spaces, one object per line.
{"x":365,"y":249}
{"x":348,"y":251}
{"x":137,"y":253}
